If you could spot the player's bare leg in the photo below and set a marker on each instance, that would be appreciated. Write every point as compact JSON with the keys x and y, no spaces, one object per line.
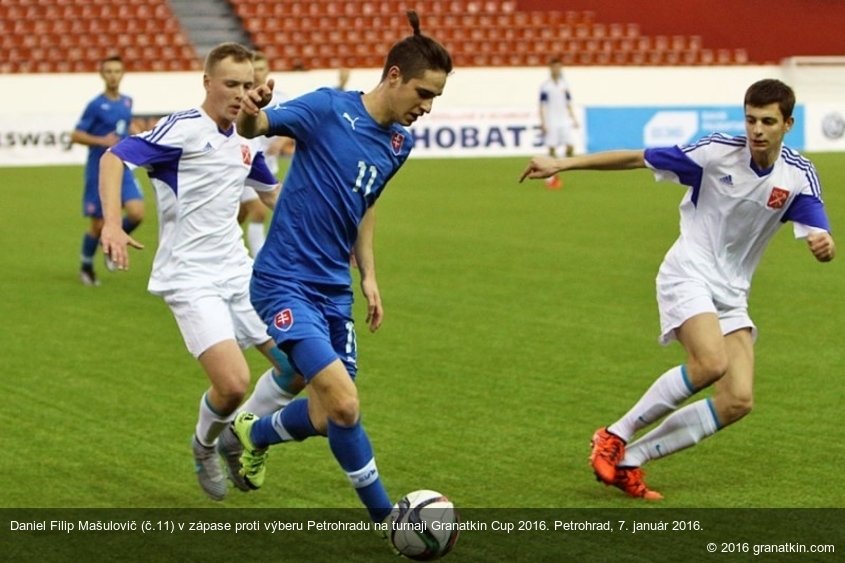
{"x":734,"y":393}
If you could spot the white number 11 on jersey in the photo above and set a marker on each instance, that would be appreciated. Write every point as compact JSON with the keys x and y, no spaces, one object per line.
{"x":359,"y":181}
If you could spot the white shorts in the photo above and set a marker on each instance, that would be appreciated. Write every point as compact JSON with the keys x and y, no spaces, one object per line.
{"x":678,"y":300}
{"x":559,"y":135}
{"x":248,"y":194}
{"x":209,"y":315}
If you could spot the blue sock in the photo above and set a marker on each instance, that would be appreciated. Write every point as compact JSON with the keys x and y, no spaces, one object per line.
{"x":351,"y":447}
{"x":129,"y":225}
{"x":89,"y":248}
{"x":290,"y":423}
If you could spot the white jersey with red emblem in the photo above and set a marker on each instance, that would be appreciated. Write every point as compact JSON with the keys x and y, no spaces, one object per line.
{"x":732,"y":210}
{"x":198,"y":172}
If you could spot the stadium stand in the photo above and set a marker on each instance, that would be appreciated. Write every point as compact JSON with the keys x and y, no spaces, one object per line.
{"x":335,"y":33}
{"x":73,"y":35}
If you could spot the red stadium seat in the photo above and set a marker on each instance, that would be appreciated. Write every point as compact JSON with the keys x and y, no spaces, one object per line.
{"x":332,"y":32}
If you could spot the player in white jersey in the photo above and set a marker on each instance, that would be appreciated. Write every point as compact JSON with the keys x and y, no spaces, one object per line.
{"x":557,"y":119}
{"x":740,"y":190}
{"x":198,"y":165}
{"x":252,"y":210}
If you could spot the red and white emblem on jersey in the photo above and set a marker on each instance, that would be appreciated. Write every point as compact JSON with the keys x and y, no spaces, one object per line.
{"x":245,"y":154}
{"x":777,"y":198}
{"x":283,"y":320}
{"x":396,"y":142}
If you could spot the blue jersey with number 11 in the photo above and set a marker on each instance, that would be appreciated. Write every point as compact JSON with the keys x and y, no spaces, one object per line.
{"x":342,"y":162}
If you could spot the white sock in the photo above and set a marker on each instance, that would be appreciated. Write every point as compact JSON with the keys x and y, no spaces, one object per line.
{"x":267,"y":397}
{"x":682,"y":429}
{"x":665,"y":394}
{"x":255,"y":237}
{"x":210,"y":424}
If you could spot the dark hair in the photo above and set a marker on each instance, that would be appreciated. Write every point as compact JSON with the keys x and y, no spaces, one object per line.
{"x":771,"y":91}
{"x":258,"y":56}
{"x":417,"y":53}
{"x":235,"y":50}
{"x":111,"y":59}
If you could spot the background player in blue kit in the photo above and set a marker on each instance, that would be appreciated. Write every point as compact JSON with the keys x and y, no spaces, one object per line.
{"x":106,"y":120}
{"x":740,"y":191}
{"x":348,"y":146}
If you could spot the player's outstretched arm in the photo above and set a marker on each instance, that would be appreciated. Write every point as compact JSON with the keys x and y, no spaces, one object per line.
{"x":822,"y":246}
{"x":545,"y":166}
{"x":113,"y":238}
{"x":83,"y":138}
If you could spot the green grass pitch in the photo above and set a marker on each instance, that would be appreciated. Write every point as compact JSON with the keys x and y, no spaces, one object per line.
{"x":518,"y":320}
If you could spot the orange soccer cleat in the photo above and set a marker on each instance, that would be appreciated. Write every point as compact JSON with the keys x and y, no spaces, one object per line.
{"x":630,"y":480}
{"x":608,"y":451}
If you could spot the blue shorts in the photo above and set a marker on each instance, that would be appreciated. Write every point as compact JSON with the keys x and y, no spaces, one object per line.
{"x":312,"y":325}
{"x":91,"y":204}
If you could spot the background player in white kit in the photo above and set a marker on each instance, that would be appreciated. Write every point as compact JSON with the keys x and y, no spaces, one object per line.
{"x":741,"y":189}
{"x":198,"y":165}
{"x":557,"y":119}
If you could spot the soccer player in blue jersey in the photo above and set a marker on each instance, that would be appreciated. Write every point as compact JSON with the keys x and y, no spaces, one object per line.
{"x":106,"y":120}
{"x":198,"y":165}
{"x":740,"y":191}
{"x":348,"y":146}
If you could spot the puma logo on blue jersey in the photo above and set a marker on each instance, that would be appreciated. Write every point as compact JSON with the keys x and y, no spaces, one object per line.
{"x":350,"y":119}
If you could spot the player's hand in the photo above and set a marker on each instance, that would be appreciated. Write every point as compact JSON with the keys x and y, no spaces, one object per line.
{"x":375,"y":311}
{"x":257,"y":98}
{"x":115,"y":242}
{"x":540,"y":167}
{"x":822,"y":246}
{"x":110,"y":140}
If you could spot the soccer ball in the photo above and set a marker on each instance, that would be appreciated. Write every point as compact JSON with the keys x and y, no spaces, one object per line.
{"x":424,"y":525}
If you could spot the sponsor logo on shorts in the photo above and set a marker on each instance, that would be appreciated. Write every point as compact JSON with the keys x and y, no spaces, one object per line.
{"x":283,"y":320}
{"x":777,"y":198}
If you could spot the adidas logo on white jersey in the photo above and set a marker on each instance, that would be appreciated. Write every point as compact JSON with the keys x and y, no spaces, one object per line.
{"x":727,"y":180}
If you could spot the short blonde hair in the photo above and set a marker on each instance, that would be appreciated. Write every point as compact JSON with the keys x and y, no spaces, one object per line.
{"x":225,"y":50}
